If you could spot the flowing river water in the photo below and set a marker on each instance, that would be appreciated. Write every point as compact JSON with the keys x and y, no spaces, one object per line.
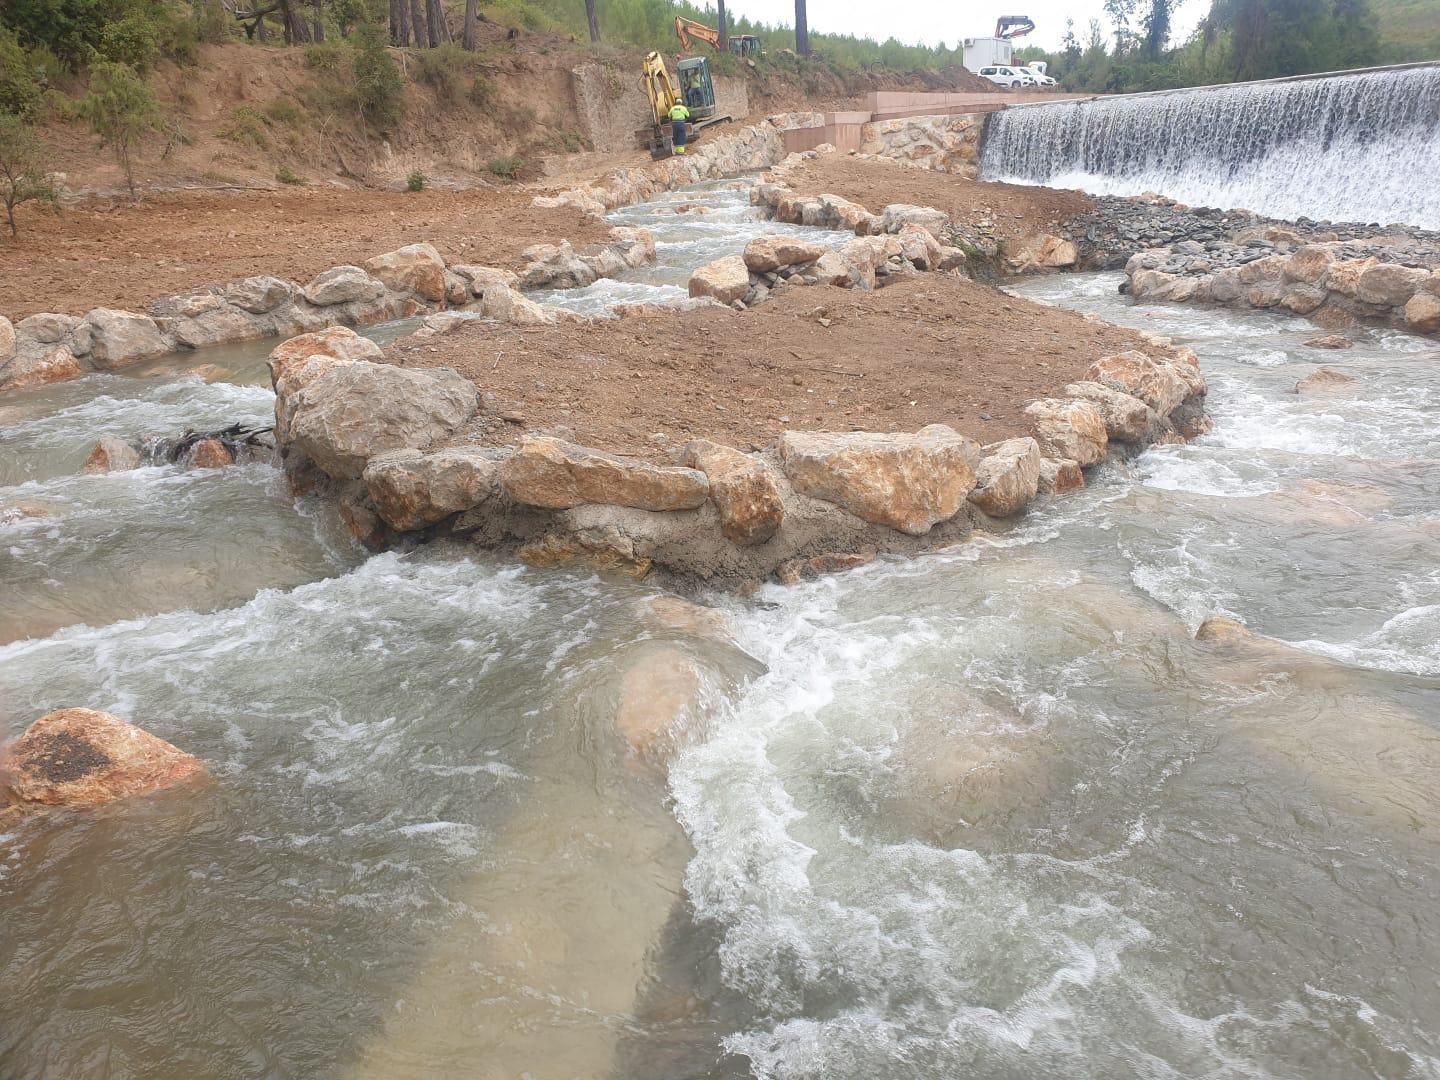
{"x":989,"y":812}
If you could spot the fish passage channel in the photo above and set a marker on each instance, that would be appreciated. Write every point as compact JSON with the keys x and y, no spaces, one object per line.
{"x":990,"y":812}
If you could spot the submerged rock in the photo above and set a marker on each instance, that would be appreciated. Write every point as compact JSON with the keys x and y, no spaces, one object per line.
{"x":906,"y":482}
{"x":1324,"y":381}
{"x":111,"y":455}
{"x":1330,"y":341}
{"x":83,"y":757}
{"x":557,"y":475}
{"x":209,"y":454}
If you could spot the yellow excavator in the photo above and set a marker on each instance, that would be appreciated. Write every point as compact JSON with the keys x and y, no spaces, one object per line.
{"x":740,"y":44}
{"x":696,"y":90}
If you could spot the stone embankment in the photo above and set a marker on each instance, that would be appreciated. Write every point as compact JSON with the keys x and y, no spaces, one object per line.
{"x":388,"y":442}
{"x":409,"y":281}
{"x":1336,"y":283}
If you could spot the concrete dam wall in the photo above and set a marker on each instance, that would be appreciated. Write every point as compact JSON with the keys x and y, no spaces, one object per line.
{"x":1361,"y":146}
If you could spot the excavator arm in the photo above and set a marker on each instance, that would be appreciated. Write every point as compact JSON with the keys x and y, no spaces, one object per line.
{"x":659,"y":88}
{"x":685,"y":29}
{"x":1013,"y":26}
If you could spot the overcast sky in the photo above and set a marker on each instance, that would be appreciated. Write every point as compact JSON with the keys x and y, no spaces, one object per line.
{"x":915,"y":21}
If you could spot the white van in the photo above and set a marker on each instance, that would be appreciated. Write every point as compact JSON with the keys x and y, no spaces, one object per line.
{"x":1041,"y":79}
{"x":1007,"y":76}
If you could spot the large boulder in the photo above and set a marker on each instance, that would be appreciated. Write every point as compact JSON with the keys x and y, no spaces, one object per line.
{"x":353,"y":411}
{"x":935,"y":222}
{"x":1302,"y":299}
{"x":217,"y":324}
{"x":741,"y":488}
{"x":1127,"y":419}
{"x":47,"y":327}
{"x":261,"y":294}
{"x":417,"y":269}
{"x":557,"y":475}
{"x":1422,"y":313}
{"x":83,"y":757}
{"x":411,"y":490}
{"x":111,"y":455}
{"x":1008,"y":477}
{"x":506,"y":305}
{"x":1389,"y":285}
{"x":118,"y":338}
{"x":1344,"y":275}
{"x":7,"y":339}
{"x":481,"y":276}
{"x":1134,"y":373}
{"x":37,"y":365}
{"x":1059,"y":476}
{"x":338,"y":341}
{"x":727,"y":279}
{"x":342,"y":285}
{"x":555,"y":266}
{"x":765,"y":254}
{"x":906,"y":482}
{"x":1309,"y":264}
{"x":1074,"y":430}
{"x":1042,"y":252}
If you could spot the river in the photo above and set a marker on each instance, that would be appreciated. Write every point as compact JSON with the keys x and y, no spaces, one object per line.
{"x":989,"y":812}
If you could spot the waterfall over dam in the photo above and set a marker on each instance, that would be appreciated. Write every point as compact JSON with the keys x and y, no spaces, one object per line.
{"x":1362,"y":147}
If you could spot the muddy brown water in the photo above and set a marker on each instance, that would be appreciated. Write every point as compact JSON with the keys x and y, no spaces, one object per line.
{"x":990,"y":812}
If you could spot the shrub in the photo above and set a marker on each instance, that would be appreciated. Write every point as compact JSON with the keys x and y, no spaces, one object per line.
{"x":379,"y":90}
{"x":506,"y":168}
{"x":247,"y":128}
{"x":481,"y":92}
{"x":445,"y":70}
{"x":287,"y":176}
{"x":415,"y":181}
{"x":19,"y":89}
{"x":120,"y":109}
{"x":22,"y":167}
{"x":327,"y":56}
{"x":281,"y":111}
{"x":132,"y":40}
{"x":212,"y":22}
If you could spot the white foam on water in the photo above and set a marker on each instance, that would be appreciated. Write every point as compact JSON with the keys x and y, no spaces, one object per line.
{"x":1408,"y":642}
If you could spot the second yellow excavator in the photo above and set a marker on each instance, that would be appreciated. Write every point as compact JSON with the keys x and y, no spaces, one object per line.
{"x":696,"y":90}
{"x":740,"y":44}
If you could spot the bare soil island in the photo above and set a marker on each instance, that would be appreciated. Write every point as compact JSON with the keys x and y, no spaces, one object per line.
{"x":933,"y":349}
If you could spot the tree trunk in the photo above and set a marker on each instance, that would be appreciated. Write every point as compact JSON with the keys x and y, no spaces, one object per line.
{"x":802,"y":29}
{"x":724,"y":27}
{"x":417,"y":23}
{"x":297,"y":30}
{"x":399,"y":23}
{"x":439,"y":31}
{"x":472,"y":24}
{"x":592,"y":20}
{"x":319,"y":21}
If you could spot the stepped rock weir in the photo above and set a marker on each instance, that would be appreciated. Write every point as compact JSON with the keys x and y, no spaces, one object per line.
{"x":1353,"y":147}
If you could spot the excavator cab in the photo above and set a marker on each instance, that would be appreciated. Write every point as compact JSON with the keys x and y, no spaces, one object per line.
{"x":697,"y":89}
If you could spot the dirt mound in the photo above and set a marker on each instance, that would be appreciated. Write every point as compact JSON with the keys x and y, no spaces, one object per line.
{"x":1016,"y":211}
{"x":932,"y":349}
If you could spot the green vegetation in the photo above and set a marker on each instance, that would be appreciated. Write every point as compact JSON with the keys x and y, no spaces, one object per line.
{"x":507,"y":168}
{"x":286,"y":175}
{"x":1409,"y":29}
{"x":120,"y":109}
{"x":415,"y":181}
{"x":379,"y":90}
{"x":1237,"y":40}
{"x":247,"y":127}
{"x":22,"y":167}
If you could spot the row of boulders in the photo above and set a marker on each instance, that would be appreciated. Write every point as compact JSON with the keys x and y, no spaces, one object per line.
{"x":391,"y":444}
{"x":413,"y":279}
{"x":717,"y":157}
{"x":1039,"y":253}
{"x":773,"y":262}
{"x":1316,"y":280}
